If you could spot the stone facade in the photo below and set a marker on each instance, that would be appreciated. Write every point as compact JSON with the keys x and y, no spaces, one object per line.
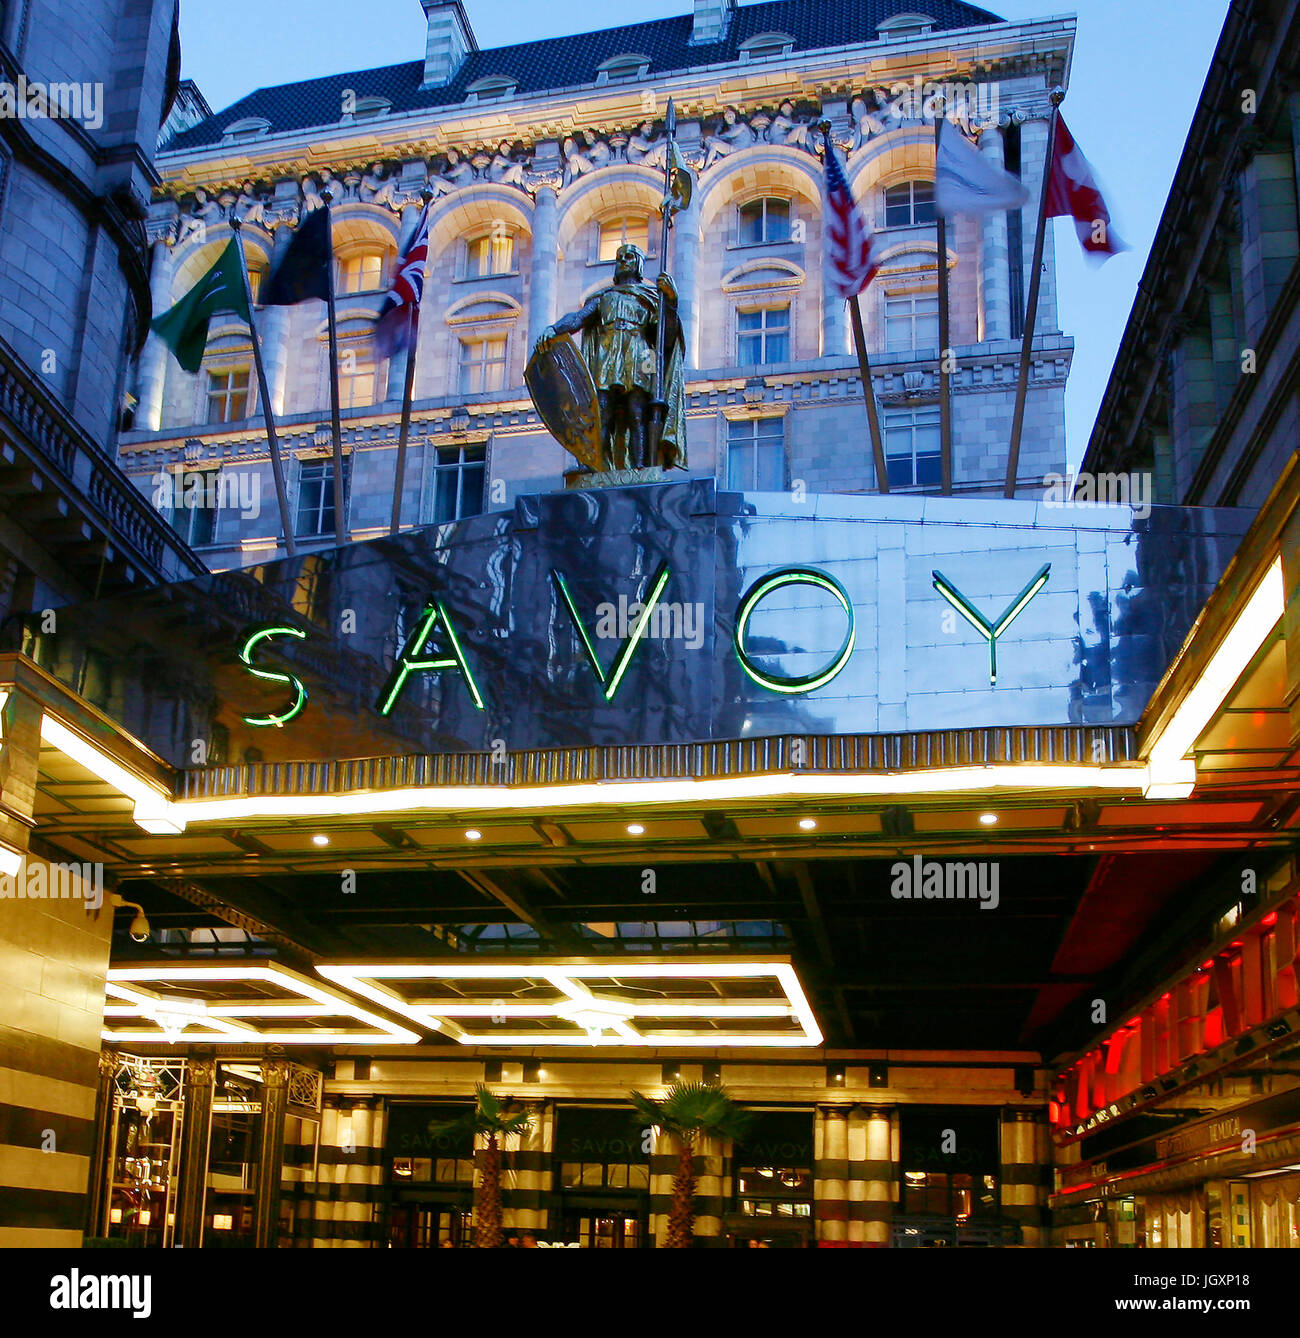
{"x":528,"y":190}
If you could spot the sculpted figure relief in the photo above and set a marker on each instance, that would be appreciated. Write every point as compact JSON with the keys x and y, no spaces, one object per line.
{"x":731,"y":135}
{"x":204,"y":213}
{"x":377,"y":188}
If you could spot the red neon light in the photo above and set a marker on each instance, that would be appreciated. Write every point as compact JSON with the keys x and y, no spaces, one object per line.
{"x":1271,"y":918}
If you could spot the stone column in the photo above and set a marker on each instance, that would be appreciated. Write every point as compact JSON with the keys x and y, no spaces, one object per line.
{"x":995,"y":278}
{"x":545,"y":273}
{"x":1024,"y":1138}
{"x":1033,"y":161}
{"x":831,"y":1173}
{"x":360,"y":1174}
{"x":153,"y":358}
{"x":397,"y":363}
{"x":1270,"y":241}
{"x":684,"y":269}
{"x":880,"y":1177}
{"x":192,"y":1176}
{"x":270,"y":1154}
{"x":1195,"y":415}
{"x":328,"y":1173}
{"x":273,"y":327}
{"x":528,"y":1168}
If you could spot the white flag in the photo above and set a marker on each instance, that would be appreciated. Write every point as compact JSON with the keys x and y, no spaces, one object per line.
{"x":965,"y":182}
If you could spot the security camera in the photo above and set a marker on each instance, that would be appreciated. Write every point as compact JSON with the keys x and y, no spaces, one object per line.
{"x":139,"y":926}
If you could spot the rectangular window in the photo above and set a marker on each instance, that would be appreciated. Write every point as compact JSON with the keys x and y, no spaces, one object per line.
{"x":764,"y":221}
{"x":763,"y":337}
{"x":360,"y":274}
{"x":615,"y":232}
{"x":756,"y":455}
{"x":909,"y":203}
{"x":356,"y":379}
{"x":458,"y":482}
{"x":493,"y":253}
{"x":228,"y":395}
{"x":911,"y":321}
{"x":193,"y":513}
{"x":316,"y":497}
{"x":912,"y":448}
{"x":482,"y":364}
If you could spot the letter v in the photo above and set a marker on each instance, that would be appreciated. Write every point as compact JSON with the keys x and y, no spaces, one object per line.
{"x":611,"y":680}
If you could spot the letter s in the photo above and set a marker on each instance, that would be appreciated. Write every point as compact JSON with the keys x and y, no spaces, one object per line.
{"x":254,"y":640}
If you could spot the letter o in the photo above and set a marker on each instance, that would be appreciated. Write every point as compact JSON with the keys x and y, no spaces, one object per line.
{"x":759,"y":591}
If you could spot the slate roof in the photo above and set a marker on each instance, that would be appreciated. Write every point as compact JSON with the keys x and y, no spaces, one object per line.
{"x":566,"y":62}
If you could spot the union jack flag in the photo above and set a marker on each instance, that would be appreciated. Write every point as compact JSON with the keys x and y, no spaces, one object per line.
{"x":395,"y":326}
{"x":854,"y":253}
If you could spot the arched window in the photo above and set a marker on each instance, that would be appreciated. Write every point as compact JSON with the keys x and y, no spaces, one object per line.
{"x":360,"y":271}
{"x":763,"y":45}
{"x":765,"y":220}
{"x":622,"y":69}
{"x":491,"y":87}
{"x":905,"y":25}
{"x":490,"y":253}
{"x":908,"y":203}
{"x":251,"y":127}
{"x":620,"y":230}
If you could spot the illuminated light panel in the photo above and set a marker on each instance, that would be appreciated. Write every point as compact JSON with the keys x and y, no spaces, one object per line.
{"x":755,"y":595}
{"x":585,"y":1009}
{"x":1249,"y":630}
{"x":473,"y":834}
{"x":808,"y":824}
{"x":141,"y":993}
{"x":11,"y":861}
{"x":320,"y":840}
{"x":635,"y":829}
{"x":988,"y":819}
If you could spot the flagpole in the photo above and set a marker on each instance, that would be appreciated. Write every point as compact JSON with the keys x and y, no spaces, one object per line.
{"x":659,"y":407}
{"x":1031,"y":306}
{"x":264,"y":395}
{"x":408,"y":389}
{"x":340,"y":491}
{"x":864,"y":365}
{"x":945,"y":389}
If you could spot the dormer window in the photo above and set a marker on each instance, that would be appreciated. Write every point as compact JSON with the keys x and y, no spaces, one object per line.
{"x":623,"y":69}
{"x":251,"y":127}
{"x":767,"y":44}
{"x":491,"y":88}
{"x":905,"y":25}
{"x":369,"y":109}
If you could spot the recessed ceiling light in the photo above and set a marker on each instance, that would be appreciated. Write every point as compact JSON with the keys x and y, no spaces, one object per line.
{"x":808,"y":824}
{"x":988,"y":819}
{"x":635,"y":829}
{"x":473,"y":834}
{"x":320,"y":839}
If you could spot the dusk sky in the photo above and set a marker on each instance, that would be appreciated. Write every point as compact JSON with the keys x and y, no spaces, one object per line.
{"x":1138,"y":70}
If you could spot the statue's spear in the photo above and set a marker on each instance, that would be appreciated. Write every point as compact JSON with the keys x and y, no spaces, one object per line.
{"x":677,"y":196}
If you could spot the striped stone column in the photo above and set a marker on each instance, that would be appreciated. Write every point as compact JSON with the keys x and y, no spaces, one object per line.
{"x":1025,"y":1173}
{"x":995,"y":277}
{"x":350,"y":1178}
{"x":831,"y":1174}
{"x":684,"y":268}
{"x":526,"y":1174}
{"x":873,"y":1175}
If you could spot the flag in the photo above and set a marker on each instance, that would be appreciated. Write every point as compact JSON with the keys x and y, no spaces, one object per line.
{"x":304,"y":270}
{"x":184,"y":327}
{"x":965,"y":182}
{"x":681,"y":181}
{"x":854,"y":252}
{"x":1072,"y":190}
{"x":401,"y":306}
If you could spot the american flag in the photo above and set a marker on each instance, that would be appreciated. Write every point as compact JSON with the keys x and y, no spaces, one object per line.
{"x":401,"y":308}
{"x":853,"y":251}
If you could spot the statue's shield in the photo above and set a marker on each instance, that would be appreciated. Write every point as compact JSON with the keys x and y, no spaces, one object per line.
{"x":565,"y":398}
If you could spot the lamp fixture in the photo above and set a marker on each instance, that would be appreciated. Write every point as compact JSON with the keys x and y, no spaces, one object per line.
{"x":473,"y":834}
{"x":808,"y":824}
{"x":320,"y":839}
{"x":139,"y":926}
{"x":988,"y":819}
{"x":635,"y":829}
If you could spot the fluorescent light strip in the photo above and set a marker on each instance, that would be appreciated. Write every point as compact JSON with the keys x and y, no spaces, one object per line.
{"x":1247,"y":634}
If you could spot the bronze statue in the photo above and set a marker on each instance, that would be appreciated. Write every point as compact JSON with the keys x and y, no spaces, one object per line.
{"x":621,"y":347}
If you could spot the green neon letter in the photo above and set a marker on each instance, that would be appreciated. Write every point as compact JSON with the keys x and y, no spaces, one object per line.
{"x":415,"y":658}
{"x":614,"y":678}
{"x":989,"y":630}
{"x":246,"y":656}
{"x":760,"y":590}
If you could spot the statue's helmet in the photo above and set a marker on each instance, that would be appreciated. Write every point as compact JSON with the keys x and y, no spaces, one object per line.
{"x":630,"y":257}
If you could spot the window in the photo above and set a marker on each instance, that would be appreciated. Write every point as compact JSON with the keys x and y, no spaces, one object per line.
{"x":356,"y":379}
{"x":492,"y":86}
{"x":493,"y":253}
{"x":194,"y":510}
{"x":361,"y":273}
{"x":767,"y":44}
{"x":627,"y":228}
{"x":482,"y":364}
{"x":912,"y":448}
{"x":458,"y":482}
{"x":228,"y":395}
{"x":316,"y":497}
{"x":905,"y":25}
{"x":604,"y":1175}
{"x":911,"y":321}
{"x":255,"y":277}
{"x":909,"y":203}
{"x":763,"y":337}
{"x":764,"y":221}
{"x":622,"y":68}
{"x":371,"y":108}
{"x":251,"y":127}
{"x":756,"y":455}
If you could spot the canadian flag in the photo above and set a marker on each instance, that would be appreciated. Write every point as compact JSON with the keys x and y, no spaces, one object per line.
{"x":1072,"y":189}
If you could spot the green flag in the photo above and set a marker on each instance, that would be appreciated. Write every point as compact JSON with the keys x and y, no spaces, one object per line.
{"x":184,"y":328}
{"x":680,"y":181}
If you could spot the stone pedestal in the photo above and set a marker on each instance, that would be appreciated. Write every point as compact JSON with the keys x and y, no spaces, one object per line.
{"x":614,"y":478}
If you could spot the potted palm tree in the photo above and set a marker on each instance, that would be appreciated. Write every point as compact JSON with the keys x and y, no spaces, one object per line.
{"x":493,"y":1121}
{"x":688,"y":1112}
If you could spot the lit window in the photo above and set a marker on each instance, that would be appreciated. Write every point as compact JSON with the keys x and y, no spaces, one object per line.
{"x":756,"y":455}
{"x":356,"y":379}
{"x":493,"y":253}
{"x":628,"y":228}
{"x":194,"y":513}
{"x":458,"y":482}
{"x":912,"y":321}
{"x":912,"y":448}
{"x":763,"y":337}
{"x":316,"y":496}
{"x":764,"y":221}
{"x":361,"y":273}
{"x":482,"y":364}
{"x":228,"y":395}
{"x":255,"y":277}
{"x":908,"y":203}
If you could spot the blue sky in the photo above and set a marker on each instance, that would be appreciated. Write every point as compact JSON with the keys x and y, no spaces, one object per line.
{"x":1138,"y":70}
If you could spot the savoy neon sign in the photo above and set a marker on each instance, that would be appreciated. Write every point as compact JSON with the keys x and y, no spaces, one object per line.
{"x":420,"y":656}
